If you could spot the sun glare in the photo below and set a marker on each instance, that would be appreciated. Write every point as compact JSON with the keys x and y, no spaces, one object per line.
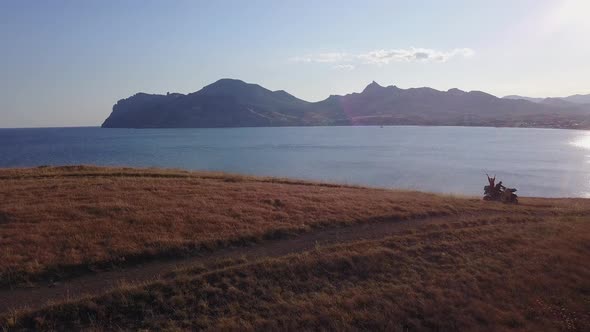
{"x":582,"y":142}
{"x":571,"y":13}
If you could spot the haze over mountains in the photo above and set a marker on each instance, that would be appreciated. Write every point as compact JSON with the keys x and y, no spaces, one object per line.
{"x":234,"y":103}
{"x":575,"y":99}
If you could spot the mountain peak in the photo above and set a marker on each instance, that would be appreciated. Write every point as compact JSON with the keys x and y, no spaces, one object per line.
{"x":456,"y":92}
{"x":233,"y":87}
{"x":374,"y":86}
{"x":225,"y":82}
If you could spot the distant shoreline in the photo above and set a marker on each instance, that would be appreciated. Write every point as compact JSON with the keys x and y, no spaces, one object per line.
{"x":314,"y":126}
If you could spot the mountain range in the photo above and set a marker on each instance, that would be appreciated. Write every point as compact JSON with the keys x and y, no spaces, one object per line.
{"x":234,"y":103}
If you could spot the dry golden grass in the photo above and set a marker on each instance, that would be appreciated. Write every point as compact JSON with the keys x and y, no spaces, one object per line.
{"x":59,"y":221}
{"x":509,"y":273}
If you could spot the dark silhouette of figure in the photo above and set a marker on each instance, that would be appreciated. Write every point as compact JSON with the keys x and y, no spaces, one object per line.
{"x":498,"y":192}
{"x":491,"y":181}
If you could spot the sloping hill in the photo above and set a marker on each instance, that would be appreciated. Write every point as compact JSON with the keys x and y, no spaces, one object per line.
{"x":378,"y":105}
{"x":225,"y":103}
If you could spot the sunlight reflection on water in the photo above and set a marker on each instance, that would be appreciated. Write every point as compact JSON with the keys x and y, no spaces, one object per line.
{"x":582,"y":141}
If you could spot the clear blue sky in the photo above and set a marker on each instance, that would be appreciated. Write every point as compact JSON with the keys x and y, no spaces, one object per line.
{"x":65,"y":63}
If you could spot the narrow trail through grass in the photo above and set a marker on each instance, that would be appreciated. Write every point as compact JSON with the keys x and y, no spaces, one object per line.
{"x":97,"y":283}
{"x":75,"y":220}
{"x":489,"y":258}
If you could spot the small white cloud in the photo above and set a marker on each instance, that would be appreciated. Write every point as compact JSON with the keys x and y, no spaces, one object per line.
{"x":346,"y":66}
{"x":462,"y":52}
{"x":331,"y":57}
{"x":300,"y":59}
{"x":383,"y":57}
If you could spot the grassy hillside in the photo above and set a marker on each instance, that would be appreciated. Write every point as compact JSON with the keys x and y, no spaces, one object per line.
{"x":68,"y":220}
{"x":482,"y":265}
{"x":492,"y":274}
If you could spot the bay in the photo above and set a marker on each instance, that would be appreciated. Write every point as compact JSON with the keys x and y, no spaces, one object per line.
{"x":539,"y":162}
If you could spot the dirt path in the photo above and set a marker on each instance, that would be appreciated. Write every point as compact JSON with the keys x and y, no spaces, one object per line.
{"x":104,"y":281}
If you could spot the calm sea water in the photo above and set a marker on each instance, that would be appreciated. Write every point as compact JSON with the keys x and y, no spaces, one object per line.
{"x":539,"y":162}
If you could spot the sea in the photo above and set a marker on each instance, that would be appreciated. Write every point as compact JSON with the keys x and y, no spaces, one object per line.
{"x":451,"y":160}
